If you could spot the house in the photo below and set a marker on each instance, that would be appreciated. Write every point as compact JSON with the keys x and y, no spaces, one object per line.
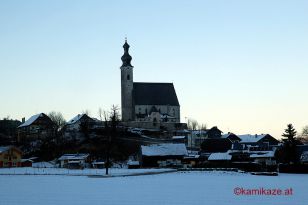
{"x":38,"y":126}
{"x":231,"y":136}
{"x":98,"y":164}
{"x":163,"y":155}
{"x":300,"y":149}
{"x":10,"y":156}
{"x":304,"y":158}
{"x":266,"y":159}
{"x":76,"y":123}
{"x":258,"y":140}
{"x":219,"y":160}
{"x":198,"y":136}
{"x":216,"y":145}
{"x":220,"y":156}
{"x":133,"y":164}
{"x":74,"y":161}
{"x":26,"y":162}
{"x":80,"y":127}
{"x":180,"y":139}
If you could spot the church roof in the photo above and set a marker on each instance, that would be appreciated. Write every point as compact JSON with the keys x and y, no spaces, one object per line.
{"x":155,"y":94}
{"x":126,"y":58}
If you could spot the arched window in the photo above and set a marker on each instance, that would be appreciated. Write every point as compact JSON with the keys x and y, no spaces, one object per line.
{"x":128,"y":77}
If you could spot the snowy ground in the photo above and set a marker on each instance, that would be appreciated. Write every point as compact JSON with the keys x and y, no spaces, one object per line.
{"x":171,"y":188}
{"x":78,"y":172}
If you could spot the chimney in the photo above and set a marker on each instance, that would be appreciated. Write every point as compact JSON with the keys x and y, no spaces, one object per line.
{"x":23,"y":120}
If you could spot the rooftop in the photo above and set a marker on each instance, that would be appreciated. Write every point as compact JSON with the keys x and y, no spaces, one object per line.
{"x":165,"y":149}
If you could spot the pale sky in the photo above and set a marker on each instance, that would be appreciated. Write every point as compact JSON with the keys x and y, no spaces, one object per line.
{"x":238,"y":65}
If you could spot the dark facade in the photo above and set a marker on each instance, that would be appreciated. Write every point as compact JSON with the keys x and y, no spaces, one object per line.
{"x":216,"y":145}
{"x":213,"y":133}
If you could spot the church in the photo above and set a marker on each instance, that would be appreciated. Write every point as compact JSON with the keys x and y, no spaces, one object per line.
{"x":146,"y":102}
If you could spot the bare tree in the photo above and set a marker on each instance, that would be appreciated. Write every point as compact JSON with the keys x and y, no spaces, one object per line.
{"x":86,"y":111}
{"x":192,"y":124}
{"x":57,"y":118}
{"x":202,"y":126}
{"x":305,"y":131}
{"x":111,"y":130}
{"x":304,"y":135}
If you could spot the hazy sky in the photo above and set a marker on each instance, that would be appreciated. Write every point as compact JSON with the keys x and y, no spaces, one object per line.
{"x":239,"y":65}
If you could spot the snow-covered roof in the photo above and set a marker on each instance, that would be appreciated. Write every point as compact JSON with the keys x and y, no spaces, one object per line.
{"x":263,"y":154}
{"x":73,"y":157}
{"x":31,"y":120}
{"x":165,"y":149}
{"x":304,"y":156}
{"x":201,"y":132}
{"x":225,"y":135}
{"x":220,"y":156}
{"x":178,"y":137}
{"x":133,"y":163}
{"x":75,"y":119}
{"x":251,"y":138}
{"x":4,"y":149}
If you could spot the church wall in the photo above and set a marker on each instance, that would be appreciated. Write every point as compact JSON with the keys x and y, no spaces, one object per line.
{"x":164,"y":109}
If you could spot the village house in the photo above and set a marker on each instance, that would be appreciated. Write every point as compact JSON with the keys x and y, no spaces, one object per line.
{"x":163,"y":155}
{"x":38,"y":126}
{"x":10,"y":156}
{"x":265,"y":158}
{"x":216,"y":145}
{"x":74,"y":161}
{"x":258,"y":140}
{"x":231,"y":136}
{"x":196,"y":137}
{"x":220,"y":159}
{"x":80,"y":127}
{"x":304,"y":158}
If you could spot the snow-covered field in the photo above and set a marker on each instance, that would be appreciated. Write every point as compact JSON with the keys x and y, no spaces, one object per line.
{"x":170,"y":188}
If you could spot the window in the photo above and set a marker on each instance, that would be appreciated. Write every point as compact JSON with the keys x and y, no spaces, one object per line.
{"x":128,"y":77}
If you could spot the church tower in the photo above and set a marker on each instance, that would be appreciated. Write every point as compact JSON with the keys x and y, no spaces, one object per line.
{"x":127,"y":84}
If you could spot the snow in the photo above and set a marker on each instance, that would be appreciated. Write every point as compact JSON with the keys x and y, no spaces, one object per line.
{"x":262,"y":154}
{"x":75,"y":119}
{"x":220,"y":156}
{"x":73,"y":157}
{"x":133,"y":163}
{"x":178,"y":137}
{"x":185,"y":188}
{"x":43,"y":165}
{"x":4,"y":149}
{"x":31,"y":120}
{"x":250,"y":138}
{"x":164,"y":149}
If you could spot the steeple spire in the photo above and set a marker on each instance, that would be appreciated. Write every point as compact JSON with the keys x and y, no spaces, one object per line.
{"x":126,"y":58}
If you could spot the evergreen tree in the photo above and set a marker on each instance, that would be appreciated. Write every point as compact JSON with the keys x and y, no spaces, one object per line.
{"x":290,"y":133}
{"x":289,"y":145}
